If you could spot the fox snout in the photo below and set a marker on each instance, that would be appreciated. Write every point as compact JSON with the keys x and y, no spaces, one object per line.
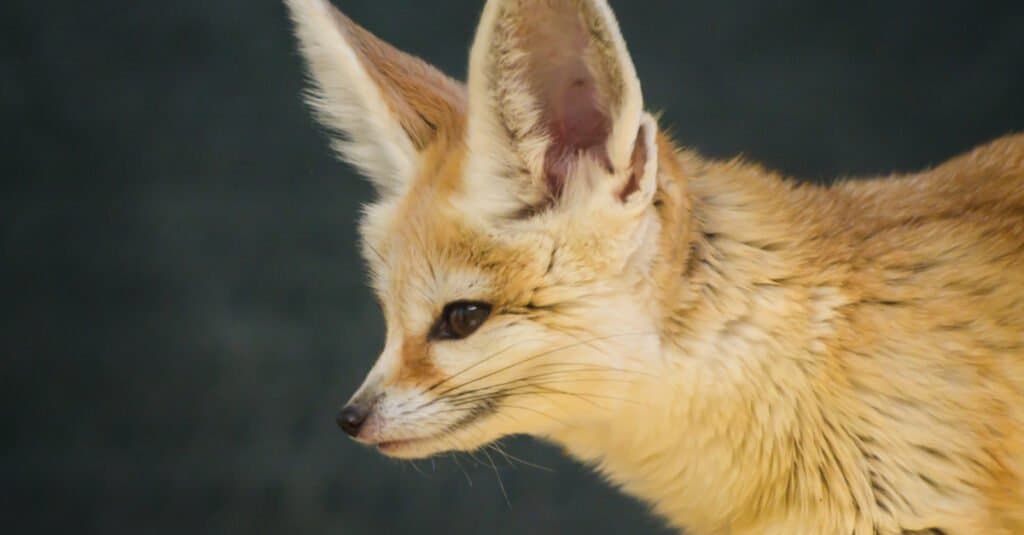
{"x":364,"y":416}
{"x":352,"y":417}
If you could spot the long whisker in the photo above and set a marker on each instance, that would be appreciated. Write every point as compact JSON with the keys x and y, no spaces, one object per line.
{"x":508,"y":455}
{"x":539,"y":355}
{"x":497,"y":474}
{"x":570,"y":333}
{"x":556,"y":391}
{"x":375,"y":251}
{"x":494,"y":446}
{"x":518,"y":391}
{"x":418,"y":469}
{"x":535,"y":411}
{"x":569,"y":373}
{"x":588,"y":365}
{"x":512,"y":386}
{"x":455,"y":457}
{"x":508,"y":405}
{"x":477,"y":363}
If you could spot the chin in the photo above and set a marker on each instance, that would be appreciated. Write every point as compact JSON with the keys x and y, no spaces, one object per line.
{"x":414,"y":448}
{"x":464,"y":439}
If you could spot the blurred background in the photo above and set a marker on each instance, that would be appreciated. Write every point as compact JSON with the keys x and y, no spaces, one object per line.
{"x":185,"y":309}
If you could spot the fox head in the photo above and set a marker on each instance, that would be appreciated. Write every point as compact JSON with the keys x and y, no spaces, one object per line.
{"x":518,"y":227}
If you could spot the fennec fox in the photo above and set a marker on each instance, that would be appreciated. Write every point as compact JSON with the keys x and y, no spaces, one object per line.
{"x":745,"y":353}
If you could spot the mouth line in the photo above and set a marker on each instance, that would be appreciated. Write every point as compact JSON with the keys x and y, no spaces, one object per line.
{"x":394,"y":445}
{"x":478,"y":412}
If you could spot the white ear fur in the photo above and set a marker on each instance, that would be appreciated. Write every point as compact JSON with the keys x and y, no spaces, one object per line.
{"x":348,"y":101}
{"x":387,"y":105}
{"x":506,"y":135}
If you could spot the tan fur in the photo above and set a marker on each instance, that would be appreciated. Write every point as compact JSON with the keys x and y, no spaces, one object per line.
{"x":426,"y":102}
{"x":746,"y":353}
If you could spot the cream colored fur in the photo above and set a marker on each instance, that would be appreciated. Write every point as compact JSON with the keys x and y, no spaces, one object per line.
{"x":746,"y":354}
{"x":347,"y":100}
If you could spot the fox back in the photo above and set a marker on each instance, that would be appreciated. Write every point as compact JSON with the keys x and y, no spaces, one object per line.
{"x":746,"y":353}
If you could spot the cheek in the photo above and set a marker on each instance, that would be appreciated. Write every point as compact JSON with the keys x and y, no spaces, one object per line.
{"x":451,"y":359}
{"x":501,"y":353}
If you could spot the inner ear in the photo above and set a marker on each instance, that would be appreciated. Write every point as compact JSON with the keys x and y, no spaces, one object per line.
{"x":577,"y":127}
{"x":554,"y":99}
{"x":563,"y":71}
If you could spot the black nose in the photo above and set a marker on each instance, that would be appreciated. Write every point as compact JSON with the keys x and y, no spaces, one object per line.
{"x":351,"y":418}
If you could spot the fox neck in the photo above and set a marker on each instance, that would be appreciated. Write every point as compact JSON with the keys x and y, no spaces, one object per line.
{"x":744,"y":329}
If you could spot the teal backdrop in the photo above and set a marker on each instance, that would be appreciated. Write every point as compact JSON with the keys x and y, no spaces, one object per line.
{"x":184,"y":306}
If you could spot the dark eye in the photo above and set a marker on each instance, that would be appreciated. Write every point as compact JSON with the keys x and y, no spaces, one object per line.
{"x":460,"y":319}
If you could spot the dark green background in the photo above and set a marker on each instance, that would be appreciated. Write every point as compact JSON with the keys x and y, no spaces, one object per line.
{"x":185,"y":309}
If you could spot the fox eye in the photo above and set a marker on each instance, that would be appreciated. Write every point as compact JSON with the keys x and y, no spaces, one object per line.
{"x":460,"y":319}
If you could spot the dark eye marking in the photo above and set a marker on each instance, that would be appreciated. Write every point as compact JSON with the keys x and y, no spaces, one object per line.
{"x":460,"y":319}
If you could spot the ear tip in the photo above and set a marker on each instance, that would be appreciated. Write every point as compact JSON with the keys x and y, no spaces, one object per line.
{"x":312,"y":8}
{"x":308,"y":3}
{"x":648,"y":120}
{"x":296,"y":5}
{"x":322,"y":17}
{"x":300,"y":10}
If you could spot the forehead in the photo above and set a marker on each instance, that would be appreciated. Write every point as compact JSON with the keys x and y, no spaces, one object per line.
{"x":423,"y":253}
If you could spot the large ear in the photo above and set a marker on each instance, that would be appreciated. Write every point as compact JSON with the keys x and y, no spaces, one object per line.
{"x":387,"y":105}
{"x":555,"y":99}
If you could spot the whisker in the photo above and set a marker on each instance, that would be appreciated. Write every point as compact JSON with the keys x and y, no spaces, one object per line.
{"x":527,"y":463}
{"x":517,"y":392}
{"x":578,"y":395}
{"x":455,"y":457}
{"x":417,"y":468}
{"x":494,"y":446}
{"x":571,"y":374}
{"x":542,"y":354}
{"x":535,"y":411}
{"x":479,"y":362}
{"x":497,"y":474}
{"x":504,"y":404}
{"x":496,"y":391}
{"x":561,"y":392}
{"x":375,"y":251}
{"x":595,"y":367}
{"x":570,"y":377}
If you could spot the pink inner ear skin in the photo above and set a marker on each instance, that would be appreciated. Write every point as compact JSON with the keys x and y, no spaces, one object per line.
{"x":581,"y":123}
{"x":576,"y":112}
{"x":578,"y":127}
